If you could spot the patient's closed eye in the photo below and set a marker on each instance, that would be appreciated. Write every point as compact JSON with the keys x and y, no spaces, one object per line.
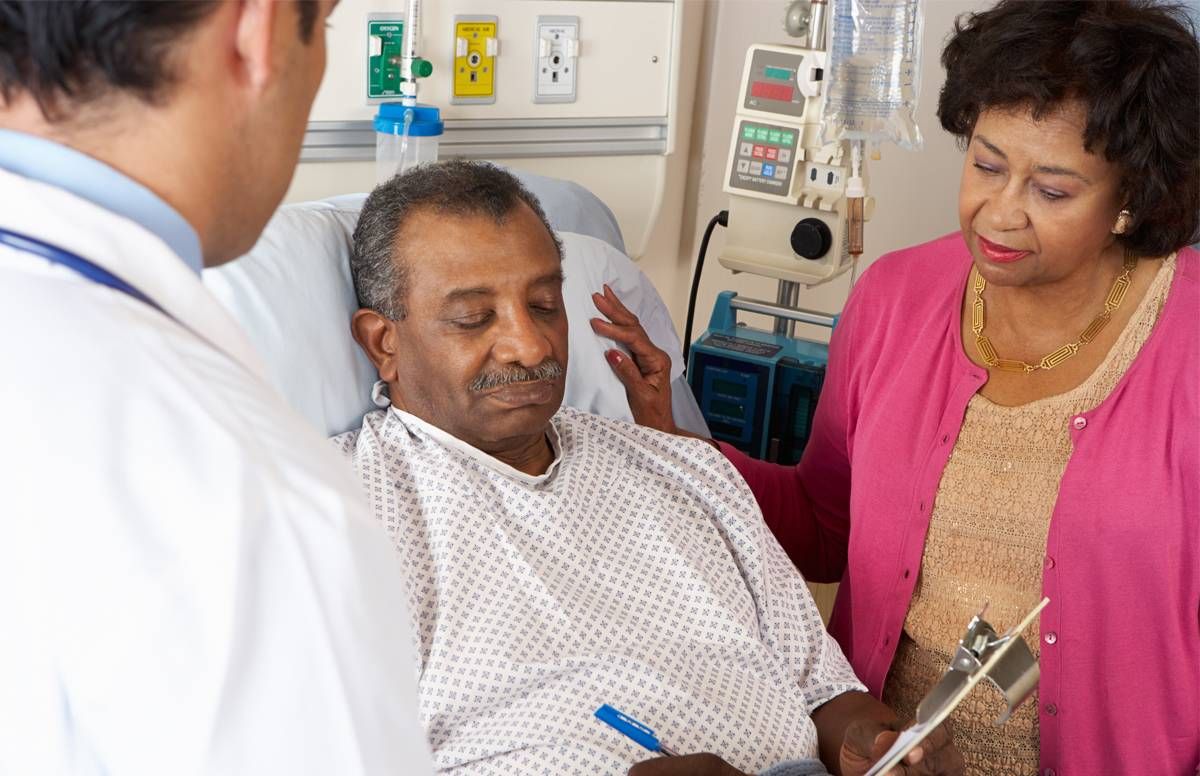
{"x":471,"y":321}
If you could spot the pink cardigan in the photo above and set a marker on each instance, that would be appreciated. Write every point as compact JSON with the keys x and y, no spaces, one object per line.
{"x":1120,"y":661}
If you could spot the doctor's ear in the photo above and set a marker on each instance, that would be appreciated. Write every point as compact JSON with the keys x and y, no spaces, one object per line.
{"x":256,"y":28}
{"x":377,"y":336}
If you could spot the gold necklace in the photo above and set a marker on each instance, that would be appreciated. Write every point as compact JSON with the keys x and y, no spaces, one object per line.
{"x":987,"y":351}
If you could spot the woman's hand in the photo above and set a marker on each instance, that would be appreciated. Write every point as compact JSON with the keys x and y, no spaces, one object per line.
{"x":646,"y":376}
{"x":867,"y":741}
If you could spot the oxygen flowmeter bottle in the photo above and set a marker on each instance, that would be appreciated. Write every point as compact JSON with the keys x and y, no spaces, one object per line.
{"x":405,"y":137}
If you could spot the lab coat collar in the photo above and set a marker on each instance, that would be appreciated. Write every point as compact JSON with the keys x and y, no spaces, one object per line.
{"x":61,"y":166}
{"x":129,"y":251}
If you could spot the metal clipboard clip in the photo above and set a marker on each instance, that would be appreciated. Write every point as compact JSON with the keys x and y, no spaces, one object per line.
{"x":1005,"y":660}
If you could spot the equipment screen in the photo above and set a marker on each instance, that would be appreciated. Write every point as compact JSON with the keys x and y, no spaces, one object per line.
{"x":771,"y":84}
{"x":769,"y":91}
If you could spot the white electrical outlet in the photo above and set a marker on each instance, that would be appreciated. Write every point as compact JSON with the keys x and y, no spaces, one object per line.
{"x":555,"y":58}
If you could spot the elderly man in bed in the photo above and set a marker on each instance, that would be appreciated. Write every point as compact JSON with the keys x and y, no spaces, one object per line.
{"x":558,"y":560}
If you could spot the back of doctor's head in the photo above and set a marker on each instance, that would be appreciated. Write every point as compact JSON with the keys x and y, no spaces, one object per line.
{"x":455,"y":188}
{"x":68,"y":53}
{"x":199,"y":100}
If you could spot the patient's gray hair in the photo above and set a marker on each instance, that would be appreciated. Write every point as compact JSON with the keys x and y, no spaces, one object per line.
{"x":378,"y":263}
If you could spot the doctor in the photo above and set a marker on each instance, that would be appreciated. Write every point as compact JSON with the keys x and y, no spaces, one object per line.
{"x":188,"y":581}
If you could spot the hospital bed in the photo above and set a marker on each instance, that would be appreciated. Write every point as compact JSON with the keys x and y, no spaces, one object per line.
{"x":294,"y":297}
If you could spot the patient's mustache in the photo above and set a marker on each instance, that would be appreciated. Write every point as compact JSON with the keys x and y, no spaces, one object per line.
{"x":547,"y":370}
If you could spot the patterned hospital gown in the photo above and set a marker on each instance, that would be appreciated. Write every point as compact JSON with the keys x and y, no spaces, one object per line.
{"x":636,"y":572}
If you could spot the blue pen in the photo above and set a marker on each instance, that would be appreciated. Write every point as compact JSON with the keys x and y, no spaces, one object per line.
{"x":627,"y":725}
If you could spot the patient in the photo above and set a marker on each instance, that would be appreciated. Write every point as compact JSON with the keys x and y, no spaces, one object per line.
{"x":557,"y":560}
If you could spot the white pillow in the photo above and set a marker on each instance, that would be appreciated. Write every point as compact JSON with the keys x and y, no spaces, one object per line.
{"x":294,"y":297}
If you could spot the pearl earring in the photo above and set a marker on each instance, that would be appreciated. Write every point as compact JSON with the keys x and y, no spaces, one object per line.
{"x":1123,"y":219}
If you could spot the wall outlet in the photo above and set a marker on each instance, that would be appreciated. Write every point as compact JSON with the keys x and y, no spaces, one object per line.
{"x":476,"y":48}
{"x":556,"y":58}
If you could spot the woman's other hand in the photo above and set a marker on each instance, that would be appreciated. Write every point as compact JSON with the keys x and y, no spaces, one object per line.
{"x":867,"y":741}
{"x":646,"y":376}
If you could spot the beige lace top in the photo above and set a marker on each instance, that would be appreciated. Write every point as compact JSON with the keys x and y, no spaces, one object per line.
{"x":986,"y":542}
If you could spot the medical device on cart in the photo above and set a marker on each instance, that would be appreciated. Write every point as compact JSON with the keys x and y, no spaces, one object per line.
{"x":798,"y":200}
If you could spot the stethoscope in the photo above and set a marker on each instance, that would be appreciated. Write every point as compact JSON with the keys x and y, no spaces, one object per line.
{"x":95,"y":273}
{"x":65,"y":258}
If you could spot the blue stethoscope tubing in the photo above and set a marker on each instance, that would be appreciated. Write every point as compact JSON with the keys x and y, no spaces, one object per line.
{"x":65,"y":258}
{"x":93,"y":272}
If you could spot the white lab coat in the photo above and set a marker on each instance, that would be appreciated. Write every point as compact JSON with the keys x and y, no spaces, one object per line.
{"x":189,"y":583}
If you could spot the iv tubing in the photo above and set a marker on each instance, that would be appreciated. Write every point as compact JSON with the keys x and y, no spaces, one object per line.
{"x":855,"y":194}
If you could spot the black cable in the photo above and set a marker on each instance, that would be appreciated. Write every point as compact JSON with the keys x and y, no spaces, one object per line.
{"x":721,"y":218}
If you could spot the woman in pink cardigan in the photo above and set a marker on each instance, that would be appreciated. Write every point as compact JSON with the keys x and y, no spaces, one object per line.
{"x":1013,"y":411}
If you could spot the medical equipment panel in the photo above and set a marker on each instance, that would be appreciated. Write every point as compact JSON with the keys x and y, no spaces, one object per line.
{"x":758,"y":390}
{"x":765,"y":158}
{"x":385,"y":47}
{"x":556,"y":68}
{"x":476,"y":46}
{"x":788,"y":205}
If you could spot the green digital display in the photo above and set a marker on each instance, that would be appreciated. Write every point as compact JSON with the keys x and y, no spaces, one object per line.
{"x":778,"y":73}
{"x":729,"y":388}
{"x":727,"y":409}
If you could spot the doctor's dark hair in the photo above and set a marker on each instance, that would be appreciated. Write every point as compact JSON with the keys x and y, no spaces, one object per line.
{"x":454,"y":188}
{"x":79,"y":51}
{"x":1134,"y":65}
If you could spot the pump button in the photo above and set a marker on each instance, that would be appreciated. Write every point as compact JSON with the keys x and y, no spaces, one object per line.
{"x":811,"y":238}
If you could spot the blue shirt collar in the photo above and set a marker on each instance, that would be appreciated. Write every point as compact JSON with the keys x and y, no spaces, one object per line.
{"x":62,"y":167}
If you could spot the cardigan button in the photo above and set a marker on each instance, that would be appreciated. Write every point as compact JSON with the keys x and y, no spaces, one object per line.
{"x":1049,"y":772}
{"x":1049,"y":562}
{"x":1079,"y":423}
{"x":1051,"y":638}
{"x":1051,"y":709}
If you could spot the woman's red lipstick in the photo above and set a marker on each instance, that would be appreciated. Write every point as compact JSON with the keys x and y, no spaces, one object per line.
{"x":999,"y":253}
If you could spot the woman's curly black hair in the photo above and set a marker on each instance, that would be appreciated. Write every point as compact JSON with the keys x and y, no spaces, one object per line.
{"x":1134,"y":64}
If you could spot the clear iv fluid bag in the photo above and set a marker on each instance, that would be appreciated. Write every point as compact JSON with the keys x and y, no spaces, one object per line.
{"x":874,"y":72}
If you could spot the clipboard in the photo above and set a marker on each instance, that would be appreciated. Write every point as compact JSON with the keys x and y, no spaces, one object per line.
{"x":981,"y":654}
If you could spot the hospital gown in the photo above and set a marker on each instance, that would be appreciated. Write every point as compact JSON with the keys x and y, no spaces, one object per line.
{"x":637,"y":571}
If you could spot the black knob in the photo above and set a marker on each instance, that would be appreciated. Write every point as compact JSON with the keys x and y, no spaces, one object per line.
{"x":811,"y":238}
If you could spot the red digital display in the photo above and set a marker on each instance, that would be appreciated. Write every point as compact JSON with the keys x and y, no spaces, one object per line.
{"x":778,"y":92}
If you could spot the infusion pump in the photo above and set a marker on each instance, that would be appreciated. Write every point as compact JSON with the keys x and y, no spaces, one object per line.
{"x":788,"y":207}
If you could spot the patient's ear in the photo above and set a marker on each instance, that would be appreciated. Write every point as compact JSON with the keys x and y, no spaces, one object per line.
{"x":376,"y":335}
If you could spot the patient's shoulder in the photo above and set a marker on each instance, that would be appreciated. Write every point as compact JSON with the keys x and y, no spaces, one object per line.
{"x":693,"y":463}
{"x":345,"y":443}
{"x":348,"y":444}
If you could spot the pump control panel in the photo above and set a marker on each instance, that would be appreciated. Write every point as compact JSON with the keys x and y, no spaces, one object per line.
{"x":787,"y":209}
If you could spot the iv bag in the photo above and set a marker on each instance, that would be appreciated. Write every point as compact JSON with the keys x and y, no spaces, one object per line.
{"x":874,"y":72}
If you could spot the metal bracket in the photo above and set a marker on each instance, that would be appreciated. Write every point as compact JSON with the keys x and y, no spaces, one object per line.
{"x":1014,"y":670}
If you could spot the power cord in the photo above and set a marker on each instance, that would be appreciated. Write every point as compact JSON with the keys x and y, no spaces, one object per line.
{"x":721,"y":218}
